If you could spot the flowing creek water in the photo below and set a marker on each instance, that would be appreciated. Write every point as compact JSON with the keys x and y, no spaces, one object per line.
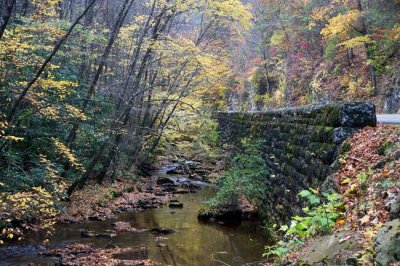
{"x":194,"y":243}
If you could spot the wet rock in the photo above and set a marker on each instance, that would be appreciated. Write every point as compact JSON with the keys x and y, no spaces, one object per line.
{"x":337,"y":249}
{"x":243,"y":210}
{"x":68,"y":221}
{"x":86,"y":233}
{"x":175,"y":205}
{"x":145,"y":203}
{"x":220,"y":214}
{"x":126,"y":227}
{"x":164,"y":181}
{"x":192,"y":164}
{"x":184,"y":191}
{"x":96,"y":218}
{"x":202,"y":172}
{"x":387,"y":243}
{"x":161,"y":245}
{"x":105,"y":235}
{"x":148,"y":187}
{"x":330,"y":185}
{"x":174,"y":200}
{"x":169,"y":189}
{"x":177,"y":171}
{"x":160,"y":238}
{"x":163,"y":231}
{"x":189,"y":185}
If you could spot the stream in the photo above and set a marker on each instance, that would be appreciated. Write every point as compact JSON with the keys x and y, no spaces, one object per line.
{"x":194,"y":243}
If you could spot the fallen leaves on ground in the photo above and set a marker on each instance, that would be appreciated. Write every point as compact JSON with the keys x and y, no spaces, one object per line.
{"x":105,"y":201}
{"x":370,"y":172}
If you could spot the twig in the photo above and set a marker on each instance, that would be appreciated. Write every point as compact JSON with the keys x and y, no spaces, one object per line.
{"x":220,"y":261}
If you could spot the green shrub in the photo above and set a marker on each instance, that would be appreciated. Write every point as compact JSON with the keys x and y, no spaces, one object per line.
{"x":248,"y":176}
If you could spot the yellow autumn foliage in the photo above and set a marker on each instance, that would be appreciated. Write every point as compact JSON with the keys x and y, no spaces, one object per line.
{"x":22,"y":207}
{"x":66,"y":153}
{"x":357,"y":41}
{"x":45,"y":8}
{"x":342,"y":25}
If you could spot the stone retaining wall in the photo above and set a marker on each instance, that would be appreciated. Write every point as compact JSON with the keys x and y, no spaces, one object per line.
{"x":301,"y":145}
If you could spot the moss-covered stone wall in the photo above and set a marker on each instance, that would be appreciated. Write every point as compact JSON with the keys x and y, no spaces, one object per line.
{"x":301,"y":144}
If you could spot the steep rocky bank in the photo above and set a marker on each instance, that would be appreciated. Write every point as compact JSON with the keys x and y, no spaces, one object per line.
{"x":368,"y":233}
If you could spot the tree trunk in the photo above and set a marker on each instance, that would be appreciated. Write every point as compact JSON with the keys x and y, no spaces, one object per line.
{"x":5,"y":17}
{"x":81,"y":182}
{"x":121,"y":17}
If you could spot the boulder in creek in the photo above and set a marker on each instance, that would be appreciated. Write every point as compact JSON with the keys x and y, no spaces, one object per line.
{"x":96,"y":218}
{"x":243,"y":210}
{"x":105,"y":235}
{"x":126,"y":227}
{"x":164,"y":180}
{"x":175,"y":205}
{"x":87,"y":234}
{"x":160,"y":230}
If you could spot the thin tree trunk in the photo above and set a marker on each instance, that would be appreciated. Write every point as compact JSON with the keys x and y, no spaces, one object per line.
{"x":8,"y":7}
{"x":81,"y":182}
{"x":121,"y":17}
{"x":371,"y":68}
{"x":125,"y":116}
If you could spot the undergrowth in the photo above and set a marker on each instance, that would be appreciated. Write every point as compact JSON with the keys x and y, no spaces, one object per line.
{"x":248,"y":176}
{"x":322,"y":213}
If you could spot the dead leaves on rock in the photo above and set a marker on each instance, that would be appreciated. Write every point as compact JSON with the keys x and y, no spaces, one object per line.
{"x":126,"y":227}
{"x":83,"y":254}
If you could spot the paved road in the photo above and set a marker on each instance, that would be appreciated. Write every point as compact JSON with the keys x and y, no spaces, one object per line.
{"x":388,"y":118}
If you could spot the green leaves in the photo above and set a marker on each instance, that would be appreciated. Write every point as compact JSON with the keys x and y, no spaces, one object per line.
{"x":320,"y":215}
{"x":305,"y":193}
{"x":310,"y":195}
